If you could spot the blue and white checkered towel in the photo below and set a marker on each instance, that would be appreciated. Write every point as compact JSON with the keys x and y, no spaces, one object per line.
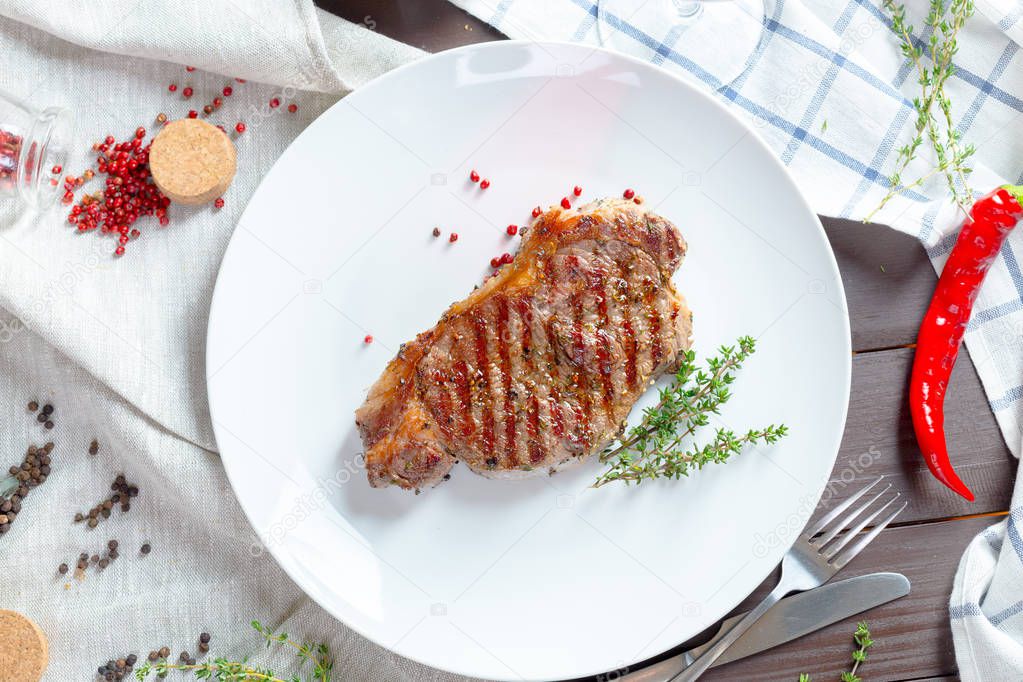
{"x":830,"y":91}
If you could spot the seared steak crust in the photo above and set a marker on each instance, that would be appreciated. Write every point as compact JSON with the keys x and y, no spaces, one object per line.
{"x":540,"y":366}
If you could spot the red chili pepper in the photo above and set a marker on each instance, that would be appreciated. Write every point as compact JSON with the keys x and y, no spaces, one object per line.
{"x":941,"y":332}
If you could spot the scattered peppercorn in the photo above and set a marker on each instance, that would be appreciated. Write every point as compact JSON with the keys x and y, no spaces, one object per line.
{"x":484,"y":183}
{"x":208,"y":109}
{"x":33,"y":471}
{"x":474,"y":176}
{"x":48,"y":425}
{"x":219,"y":202}
{"x":436,"y":232}
{"x":537,"y":212}
{"x":628,"y":194}
{"x":62,"y":569}
{"x":368,"y":339}
{"x":227,"y":91}
{"x":512,"y":230}
{"x":172,"y":87}
{"x":274,"y":103}
{"x":565,"y":203}
{"x":94,"y":447}
{"x":204,"y":637}
{"x":453,"y":238}
{"x":123,"y":492}
{"x":187,"y":92}
{"x":146,"y":549}
{"x":577,"y":190}
{"x":193,"y":114}
{"x":33,"y":406}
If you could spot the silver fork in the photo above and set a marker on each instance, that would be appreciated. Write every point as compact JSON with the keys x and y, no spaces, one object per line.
{"x":815,"y":557}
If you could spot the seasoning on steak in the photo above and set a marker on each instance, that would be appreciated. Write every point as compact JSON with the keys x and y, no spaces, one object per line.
{"x":539,"y":367}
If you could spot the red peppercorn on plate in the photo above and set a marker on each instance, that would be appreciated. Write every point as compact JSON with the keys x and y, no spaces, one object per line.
{"x":397,"y":202}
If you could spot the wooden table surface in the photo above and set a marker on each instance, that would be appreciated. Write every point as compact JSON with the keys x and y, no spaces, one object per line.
{"x":888,"y":282}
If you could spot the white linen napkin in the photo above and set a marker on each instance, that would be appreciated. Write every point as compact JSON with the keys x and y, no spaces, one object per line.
{"x":117,"y":345}
{"x":830,"y":92}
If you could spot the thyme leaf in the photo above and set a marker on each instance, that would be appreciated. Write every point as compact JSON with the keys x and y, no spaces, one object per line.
{"x":934,"y":65}
{"x":660,"y":447}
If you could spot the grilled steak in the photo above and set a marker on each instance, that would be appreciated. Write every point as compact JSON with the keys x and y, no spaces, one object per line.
{"x":540,"y":366}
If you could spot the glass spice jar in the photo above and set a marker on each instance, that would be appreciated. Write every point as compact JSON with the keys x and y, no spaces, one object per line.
{"x":33,"y":151}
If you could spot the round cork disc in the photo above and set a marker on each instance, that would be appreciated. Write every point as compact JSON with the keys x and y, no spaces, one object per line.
{"x":23,"y":649}
{"x":192,"y":162}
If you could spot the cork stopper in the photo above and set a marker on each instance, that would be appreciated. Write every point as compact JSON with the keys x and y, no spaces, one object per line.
{"x":192,"y":162}
{"x":23,"y":649}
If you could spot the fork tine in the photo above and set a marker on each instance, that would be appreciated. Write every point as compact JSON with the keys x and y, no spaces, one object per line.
{"x":837,"y":527}
{"x":833,"y":514}
{"x":853,"y":532}
{"x":849,"y":554}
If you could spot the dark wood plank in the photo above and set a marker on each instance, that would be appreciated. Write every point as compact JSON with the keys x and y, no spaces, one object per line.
{"x":888,"y":282}
{"x":912,"y":634}
{"x":879,"y":440}
{"x":431,"y":25}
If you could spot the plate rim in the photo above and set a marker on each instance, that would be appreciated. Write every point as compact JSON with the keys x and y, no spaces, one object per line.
{"x":284,"y":564}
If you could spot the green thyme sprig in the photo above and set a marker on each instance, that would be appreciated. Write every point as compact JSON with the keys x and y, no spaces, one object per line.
{"x":859,"y":654}
{"x":934,"y":66}
{"x":316,"y":656}
{"x":656,"y":448}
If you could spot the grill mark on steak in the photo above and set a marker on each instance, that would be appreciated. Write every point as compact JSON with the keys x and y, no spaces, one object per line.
{"x":653,"y":315}
{"x":482,"y":385}
{"x":533,"y":430}
{"x":525,"y":317}
{"x":603,"y":333}
{"x":580,"y":378}
{"x":447,"y":415}
{"x":554,"y":371}
{"x":461,"y":381}
{"x":504,"y":373}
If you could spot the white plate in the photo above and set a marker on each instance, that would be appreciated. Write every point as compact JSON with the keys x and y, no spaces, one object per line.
{"x":544,"y":578}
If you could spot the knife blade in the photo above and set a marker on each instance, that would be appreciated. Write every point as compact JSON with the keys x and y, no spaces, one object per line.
{"x":789,"y":619}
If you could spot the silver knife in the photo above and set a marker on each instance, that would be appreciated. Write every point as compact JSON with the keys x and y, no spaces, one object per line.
{"x":789,"y":619}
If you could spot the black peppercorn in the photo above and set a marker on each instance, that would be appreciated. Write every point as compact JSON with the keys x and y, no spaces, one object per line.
{"x":48,"y":425}
{"x":62,"y":569}
{"x":41,"y":418}
{"x":146,"y":549}
{"x":33,"y":406}
{"x":47,"y":409}
{"x":93,"y":447}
